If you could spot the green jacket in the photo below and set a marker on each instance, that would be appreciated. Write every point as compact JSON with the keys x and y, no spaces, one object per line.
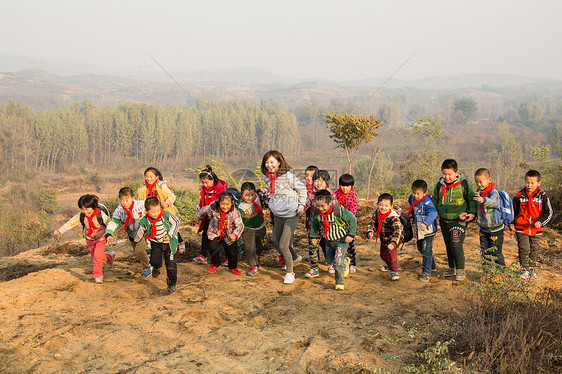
{"x":341,"y":223}
{"x":171,"y":223}
{"x":455,"y":200}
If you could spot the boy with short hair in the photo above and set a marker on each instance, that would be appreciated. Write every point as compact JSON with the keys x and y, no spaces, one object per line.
{"x":337,"y":226}
{"x":128,"y":213}
{"x":348,"y":198}
{"x":424,"y":216}
{"x":453,"y":197}
{"x":161,"y":228}
{"x":532,"y":211}
{"x":488,"y":218}
{"x":388,"y":228}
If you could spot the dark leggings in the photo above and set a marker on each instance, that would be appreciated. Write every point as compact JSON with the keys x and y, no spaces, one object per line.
{"x":230,"y":249}
{"x":159,"y":250}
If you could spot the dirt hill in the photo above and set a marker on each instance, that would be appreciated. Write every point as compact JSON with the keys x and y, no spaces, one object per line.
{"x":55,"y":319}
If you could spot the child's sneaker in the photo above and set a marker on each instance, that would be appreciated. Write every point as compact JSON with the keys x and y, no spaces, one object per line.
{"x":532,"y":272}
{"x":312,"y":273}
{"x":155,"y":273}
{"x":394,"y":276}
{"x":523,"y":273}
{"x":181,"y":247}
{"x":385,"y":268}
{"x":424,"y":278}
{"x":98,"y":280}
{"x":253,"y":271}
{"x":346,"y":271}
{"x":460,"y":275}
{"x":213,"y":268}
{"x":297,"y":260}
{"x":225,"y":263}
{"x":289,"y":278}
{"x":235,"y":271}
{"x":331,"y":269}
{"x":450,"y":272}
{"x":352,"y":269}
{"x":109,"y":263}
{"x":146,"y":272}
{"x":172,"y":289}
{"x":339,"y":287}
{"x":281,"y":261}
{"x":200,"y":259}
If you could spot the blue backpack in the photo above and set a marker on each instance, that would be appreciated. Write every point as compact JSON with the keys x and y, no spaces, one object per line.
{"x":506,"y":207}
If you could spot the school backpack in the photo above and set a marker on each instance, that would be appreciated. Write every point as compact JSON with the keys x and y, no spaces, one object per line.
{"x":408,"y":230}
{"x":336,"y":209}
{"x":506,"y":208}
{"x":102,"y":208}
{"x":234,"y":192}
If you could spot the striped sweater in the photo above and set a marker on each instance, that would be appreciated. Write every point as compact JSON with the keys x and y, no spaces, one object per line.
{"x":338,"y":227}
{"x":120,"y":217}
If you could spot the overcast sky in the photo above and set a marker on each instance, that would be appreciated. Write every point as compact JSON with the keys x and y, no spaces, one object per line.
{"x":342,"y":40}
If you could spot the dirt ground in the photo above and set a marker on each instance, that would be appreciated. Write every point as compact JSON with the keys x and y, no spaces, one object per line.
{"x":55,"y":319}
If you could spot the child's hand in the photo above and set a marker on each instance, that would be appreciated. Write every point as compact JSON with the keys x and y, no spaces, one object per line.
{"x":512,"y":227}
{"x":56,"y":233}
{"x":478,"y":198}
{"x":165,"y":204}
{"x":166,"y":238}
{"x":370,"y":235}
{"x":470,"y":217}
{"x":391,"y":246}
{"x":313,"y":241}
{"x":538,"y":225}
{"x":423,"y":226}
{"x":232,"y":237}
{"x":300,"y":211}
{"x":462,"y":216}
{"x":348,"y":239}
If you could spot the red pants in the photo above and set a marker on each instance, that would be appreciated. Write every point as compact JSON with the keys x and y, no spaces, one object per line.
{"x":97,"y":248}
{"x":390,"y":256}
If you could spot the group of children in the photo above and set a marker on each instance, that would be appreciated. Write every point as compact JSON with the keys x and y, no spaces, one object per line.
{"x":228,"y":215}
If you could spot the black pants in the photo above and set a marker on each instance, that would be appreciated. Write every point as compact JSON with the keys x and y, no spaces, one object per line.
{"x":231,"y":252}
{"x":491,"y":247}
{"x":159,"y":250}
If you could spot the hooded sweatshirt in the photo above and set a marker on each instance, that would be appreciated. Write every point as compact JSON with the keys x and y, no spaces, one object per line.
{"x":288,"y":195}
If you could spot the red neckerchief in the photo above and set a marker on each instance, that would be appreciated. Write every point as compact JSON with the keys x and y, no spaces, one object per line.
{"x":153,"y":228}
{"x":271,"y":187}
{"x":342,"y":195}
{"x":130,"y":218}
{"x":223,"y":215}
{"x":530,"y":204}
{"x":205,"y":195}
{"x":415,"y":203}
{"x":91,"y":223}
{"x":309,"y":188}
{"x":444,"y":188}
{"x":484,"y":193}
{"x":257,"y":207}
{"x":381,"y":218}
{"x":151,"y":189}
{"x":326,"y":222}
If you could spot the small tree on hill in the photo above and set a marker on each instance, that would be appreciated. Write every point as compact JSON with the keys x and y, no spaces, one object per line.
{"x":349,"y":131}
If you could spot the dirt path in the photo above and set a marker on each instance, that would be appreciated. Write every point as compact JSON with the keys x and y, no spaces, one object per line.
{"x":55,"y":319}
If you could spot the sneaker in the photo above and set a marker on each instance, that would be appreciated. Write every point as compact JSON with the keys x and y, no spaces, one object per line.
{"x":297,"y":260}
{"x":394,"y":276}
{"x":450,"y":272}
{"x":213,"y":268}
{"x":284,"y":267}
{"x":235,"y":271}
{"x":98,"y":280}
{"x":352,"y":269}
{"x":532,"y":272}
{"x":312,"y":273}
{"x":109,"y":263}
{"x":155,"y":273}
{"x":281,"y":261}
{"x":460,"y":275}
{"x":289,"y":278}
{"x":200,"y":259}
{"x":424,"y":278}
{"x":181,"y":247}
{"x":339,"y":287}
{"x":523,"y":273}
{"x":331,"y":269}
{"x":146,"y":272}
{"x":253,"y":271}
{"x":225,"y":263}
{"x":346,"y":271}
{"x":385,"y":268}
{"x":172,"y":289}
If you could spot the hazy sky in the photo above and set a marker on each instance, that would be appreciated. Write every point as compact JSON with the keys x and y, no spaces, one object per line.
{"x":341,"y":40}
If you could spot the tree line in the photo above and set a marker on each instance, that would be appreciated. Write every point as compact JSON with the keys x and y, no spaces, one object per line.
{"x":89,"y":134}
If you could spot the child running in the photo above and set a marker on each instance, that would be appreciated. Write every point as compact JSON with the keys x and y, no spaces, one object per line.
{"x":424,"y":216}
{"x":155,"y":186}
{"x":453,"y":198}
{"x":160,"y":227}
{"x":389,"y":230}
{"x":338,"y":227}
{"x":532,"y":211}
{"x":287,"y":197}
{"x":211,"y":188}
{"x":225,"y":228}
{"x":94,"y":218}
{"x":489,"y":219}
{"x":254,"y":225}
{"x":128,"y":213}
{"x":347,"y":197}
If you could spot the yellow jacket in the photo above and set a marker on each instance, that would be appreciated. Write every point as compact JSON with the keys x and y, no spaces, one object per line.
{"x":165,"y":194}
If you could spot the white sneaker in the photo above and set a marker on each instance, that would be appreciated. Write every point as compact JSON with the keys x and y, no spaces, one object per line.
{"x":297,"y":260}
{"x":289,"y":278}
